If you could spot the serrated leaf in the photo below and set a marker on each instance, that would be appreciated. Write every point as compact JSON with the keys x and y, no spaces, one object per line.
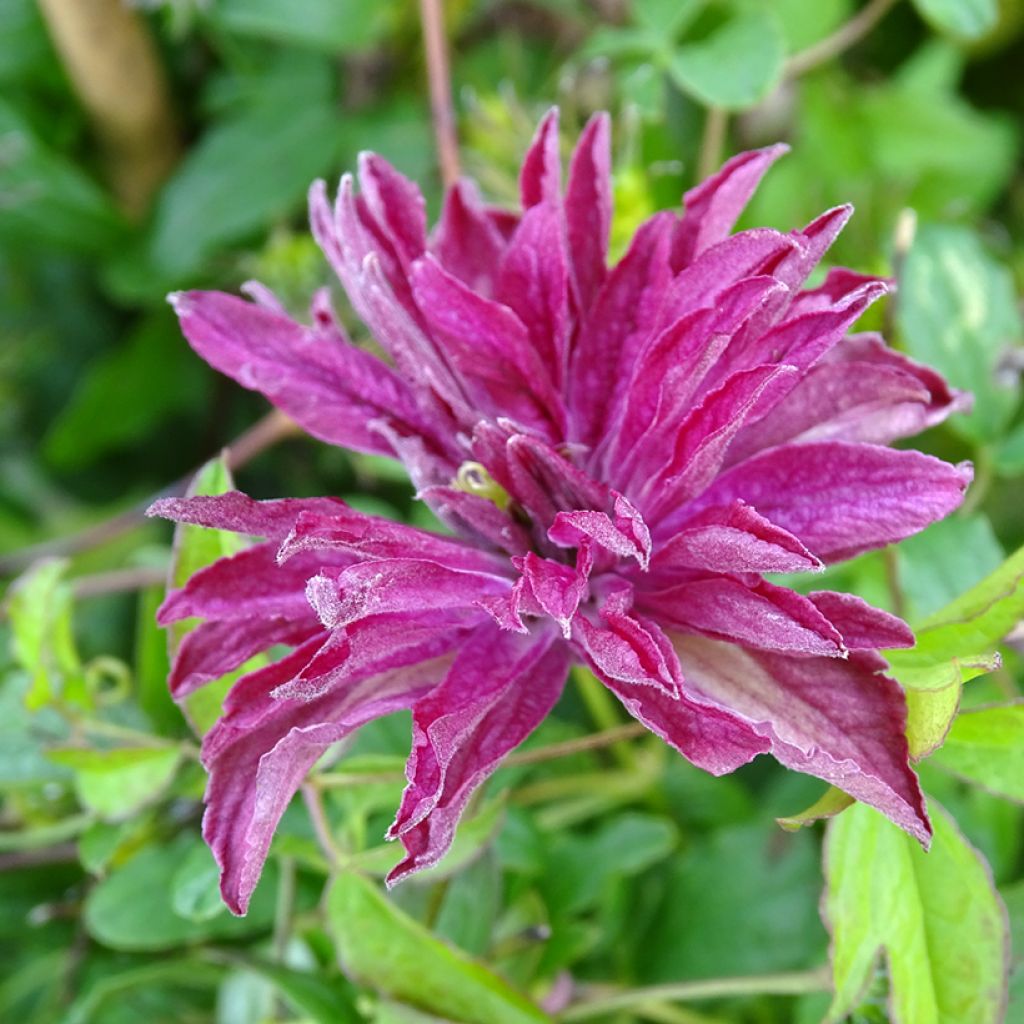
{"x":116,"y":783}
{"x":986,"y":746}
{"x":966,"y":19}
{"x":934,"y":916}
{"x":736,"y":66}
{"x":958,"y":313}
{"x":386,"y":949}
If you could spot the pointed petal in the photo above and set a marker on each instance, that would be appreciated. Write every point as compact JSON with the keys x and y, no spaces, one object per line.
{"x":714,"y":206}
{"x":863,"y":627}
{"x":588,"y":209}
{"x":824,"y":716}
{"x":332,"y":390}
{"x":540,"y":179}
{"x":626,"y":535}
{"x":396,"y":204}
{"x":499,"y":690}
{"x":239,"y":513}
{"x":841,"y":499}
{"x":733,"y":538}
{"x":467,"y":242}
{"x":757,"y":615}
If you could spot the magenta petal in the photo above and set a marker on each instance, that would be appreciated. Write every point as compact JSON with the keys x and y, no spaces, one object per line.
{"x":863,"y":627}
{"x":556,"y":588}
{"x":396,"y":204}
{"x":757,"y":615}
{"x":239,"y":513}
{"x":588,"y":209}
{"x":476,"y":517}
{"x":499,"y":690}
{"x":733,"y":538}
{"x":397,"y":585}
{"x":213,"y":649}
{"x":258,"y":760}
{"x":841,"y":499}
{"x":713,"y":207}
{"x":467,"y":242}
{"x":626,"y":535}
{"x":362,"y":536}
{"x":824,"y":716}
{"x":540,"y":179}
{"x":332,"y":390}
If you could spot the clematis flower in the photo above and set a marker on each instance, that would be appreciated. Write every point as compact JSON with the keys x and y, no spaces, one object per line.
{"x":620,"y":454}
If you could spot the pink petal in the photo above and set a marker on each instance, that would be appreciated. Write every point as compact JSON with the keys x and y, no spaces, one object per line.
{"x":396,"y":204}
{"x":499,"y":690}
{"x":714,"y":206}
{"x":841,"y":499}
{"x":824,"y":716}
{"x":332,"y":390}
{"x":733,"y":538}
{"x":466,"y":242}
{"x":540,"y":179}
{"x":626,"y":535}
{"x":476,"y":517}
{"x":863,"y":627}
{"x":588,"y":209}
{"x":239,"y":513}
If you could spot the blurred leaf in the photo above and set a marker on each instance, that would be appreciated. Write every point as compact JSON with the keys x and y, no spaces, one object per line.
{"x":319,"y":24}
{"x":99,"y":843}
{"x":195,"y":887}
{"x":740,"y":900}
{"x":25,"y":50}
{"x":935,"y":916}
{"x":40,"y":606}
{"x":152,"y":666}
{"x":1014,"y":899}
{"x":389,"y":951}
{"x":248,"y":170}
{"x":45,"y":200}
{"x":968,"y":19}
{"x":472,"y":902}
{"x":957,"y":312}
{"x":131,"y":909}
{"x":1008,"y":454}
{"x":986,"y":746}
{"x":804,"y":24}
{"x":937,"y":565}
{"x":116,"y":783}
{"x":665,"y":19}
{"x":832,"y":802}
{"x":327,"y":1000}
{"x":736,"y":66}
{"x":115,"y":405}
{"x":23,"y":763}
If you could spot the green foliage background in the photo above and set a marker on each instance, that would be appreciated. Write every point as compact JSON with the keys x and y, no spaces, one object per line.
{"x":593,"y":875}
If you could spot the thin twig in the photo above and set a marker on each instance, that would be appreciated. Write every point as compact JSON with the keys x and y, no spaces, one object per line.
{"x":792,"y":984}
{"x":321,"y":826}
{"x":118,"y":581}
{"x":263,"y":434}
{"x":847,"y":35}
{"x":442,"y":112}
{"x":712,"y":143}
{"x":15,"y":860}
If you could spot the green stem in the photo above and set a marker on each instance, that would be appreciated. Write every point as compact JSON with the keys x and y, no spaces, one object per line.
{"x":796,"y":983}
{"x":842,"y":39}
{"x":604,"y":711}
{"x":984,"y":474}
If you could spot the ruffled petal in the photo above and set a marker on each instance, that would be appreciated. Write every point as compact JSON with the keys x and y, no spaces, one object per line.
{"x":863,"y":627}
{"x":500,"y":688}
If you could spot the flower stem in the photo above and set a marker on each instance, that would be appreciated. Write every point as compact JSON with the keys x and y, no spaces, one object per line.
{"x":439,"y":80}
{"x":712,"y":143}
{"x":793,"y":984}
{"x":847,"y":35}
{"x":603,"y":711}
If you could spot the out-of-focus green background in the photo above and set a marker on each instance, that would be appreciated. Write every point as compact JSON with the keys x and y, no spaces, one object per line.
{"x":174,"y":149}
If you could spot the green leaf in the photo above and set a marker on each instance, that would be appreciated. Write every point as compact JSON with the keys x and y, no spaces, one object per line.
{"x":47,"y":200}
{"x":195,"y":887}
{"x":131,"y":909}
{"x":39,"y":606}
{"x":234,"y":182}
{"x":389,"y":951}
{"x":832,"y":802}
{"x":323,"y":25}
{"x":739,"y":900}
{"x":116,"y":783}
{"x":986,"y":746}
{"x":23,"y":763}
{"x":804,"y":24}
{"x":935,"y":916}
{"x":327,"y":1000}
{"x":121,"y":379}
{"x":967,"y":19}
{"x":958,"y":313}
{"x":1008,"y":454}
{"x":665,"y":19}
{"x":736,"y":66}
